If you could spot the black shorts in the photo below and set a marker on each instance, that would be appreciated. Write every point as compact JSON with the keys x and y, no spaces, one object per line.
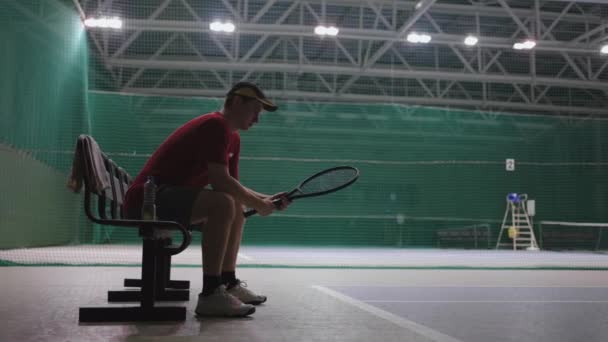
{"x":174,"y":203}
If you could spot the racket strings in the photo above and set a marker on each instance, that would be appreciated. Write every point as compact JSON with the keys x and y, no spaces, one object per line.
{"x":328,"y":181}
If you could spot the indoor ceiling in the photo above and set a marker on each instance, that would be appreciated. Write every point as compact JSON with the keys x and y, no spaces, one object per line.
{"x":166,"y":47}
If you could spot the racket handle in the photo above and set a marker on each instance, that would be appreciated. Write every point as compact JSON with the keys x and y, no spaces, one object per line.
{"x":277,"y":203}
{"x":250,"y":212}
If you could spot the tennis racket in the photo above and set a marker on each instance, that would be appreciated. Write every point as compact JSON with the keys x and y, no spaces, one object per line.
{"x":321,"y":183}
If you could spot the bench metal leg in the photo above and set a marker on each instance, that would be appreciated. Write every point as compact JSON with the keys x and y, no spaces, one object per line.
{"x":171,"y":284}
{"x":164,"y":274}
{"x":135,"y":296}
{"x":132,"y":314}
{"x":146,"y":311}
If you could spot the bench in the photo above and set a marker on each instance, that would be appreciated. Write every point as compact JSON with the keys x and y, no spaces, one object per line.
{"x":158,"y":247}
{"x":475,"y":236}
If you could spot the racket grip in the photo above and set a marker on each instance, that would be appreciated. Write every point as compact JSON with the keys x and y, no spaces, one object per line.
{"x":250,"y":212}
{"x":277,"y":203}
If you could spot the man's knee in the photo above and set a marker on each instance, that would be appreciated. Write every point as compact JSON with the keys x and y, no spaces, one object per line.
{"x":223,"y":204}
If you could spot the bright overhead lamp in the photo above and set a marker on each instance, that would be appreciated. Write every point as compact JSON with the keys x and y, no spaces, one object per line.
{"x":332,"y":31}
{"x":604,"y":50}
{"x":418,"y":38}
{"x":104,"y":22}
{"x":326,"y":30}
{"x":471,"y":41}
{"x":219,"y":26}
{"x":526,"y":45}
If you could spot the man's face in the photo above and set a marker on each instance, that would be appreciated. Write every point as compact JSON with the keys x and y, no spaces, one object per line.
{"x":248,"y":112}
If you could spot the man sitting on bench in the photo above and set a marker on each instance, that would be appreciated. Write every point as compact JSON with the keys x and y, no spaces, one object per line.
{"x":202,"y":152}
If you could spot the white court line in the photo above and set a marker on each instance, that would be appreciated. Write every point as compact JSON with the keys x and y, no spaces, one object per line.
{"x":484,"y":301}
{"x":483,"y":286}
{"x":400,"y":321}
{"x":243,"y":256}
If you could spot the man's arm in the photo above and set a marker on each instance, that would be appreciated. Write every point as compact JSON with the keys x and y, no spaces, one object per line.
{"x":284,"y":200}
{"x":257,"y":194}
{"x":220,"y":180}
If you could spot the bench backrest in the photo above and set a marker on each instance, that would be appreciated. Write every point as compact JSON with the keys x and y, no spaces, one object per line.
{"x":108,"y":183}
{"x":110,"y":199}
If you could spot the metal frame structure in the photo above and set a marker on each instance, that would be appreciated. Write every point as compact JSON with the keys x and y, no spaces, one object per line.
{"x":167,"y":48}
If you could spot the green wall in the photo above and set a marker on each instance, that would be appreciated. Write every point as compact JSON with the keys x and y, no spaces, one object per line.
{"x":423,"y":169}
{"x":433,"y":168}
{"x":43,"y":64}
{"x":35,"y":207}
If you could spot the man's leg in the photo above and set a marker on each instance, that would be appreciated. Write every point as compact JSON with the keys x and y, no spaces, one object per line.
{"x":234,"y":240}
{"x":235,"y":286}
{"x":218,"y":210}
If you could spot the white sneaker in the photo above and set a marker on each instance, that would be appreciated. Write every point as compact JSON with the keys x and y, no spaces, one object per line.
{"x":221,"y":303}
{"x":245,"y":295}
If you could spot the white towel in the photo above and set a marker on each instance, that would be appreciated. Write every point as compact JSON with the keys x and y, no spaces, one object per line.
{"x":88,"y":148}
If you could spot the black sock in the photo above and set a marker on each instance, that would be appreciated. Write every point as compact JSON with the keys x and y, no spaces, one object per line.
{"x":229,"y":279}
{"x":210,"y":283}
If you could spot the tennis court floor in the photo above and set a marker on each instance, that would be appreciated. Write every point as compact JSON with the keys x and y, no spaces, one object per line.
{"x":329,"y":303}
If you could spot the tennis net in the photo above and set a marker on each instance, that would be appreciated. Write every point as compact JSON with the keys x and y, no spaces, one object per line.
{"x":560,"y":235}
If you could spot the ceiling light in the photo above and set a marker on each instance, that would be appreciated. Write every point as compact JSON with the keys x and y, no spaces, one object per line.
{"x":219,"y":26}
{"x":471,"y":40}
{"x":332,"y":31}
{"x":526,"y":45}
{"x":104,"y":22}
{"x":229,"y":27}
{"x":418,"y":38}
{"x":604,"y":49}
{"x":326,"y":30}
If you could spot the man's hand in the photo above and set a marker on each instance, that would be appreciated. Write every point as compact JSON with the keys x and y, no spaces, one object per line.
{"x":265,"y":206}
{"x":285,"y":202}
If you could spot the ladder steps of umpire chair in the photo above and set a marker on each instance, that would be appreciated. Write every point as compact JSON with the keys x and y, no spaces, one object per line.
{"x":517,"y":225}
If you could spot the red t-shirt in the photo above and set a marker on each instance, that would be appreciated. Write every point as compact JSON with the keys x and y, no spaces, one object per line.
{"x":183,"y":158}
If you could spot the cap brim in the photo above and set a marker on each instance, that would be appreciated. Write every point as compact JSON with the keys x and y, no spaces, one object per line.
{"x":267,"y":105}
{"x":249,"y":92}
